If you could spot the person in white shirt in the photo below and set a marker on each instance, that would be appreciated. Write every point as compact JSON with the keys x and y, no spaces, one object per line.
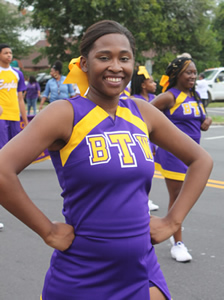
{"x":202,"y":89}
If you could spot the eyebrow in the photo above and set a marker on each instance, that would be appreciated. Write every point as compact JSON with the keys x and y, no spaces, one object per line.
{"x":108,"y":51}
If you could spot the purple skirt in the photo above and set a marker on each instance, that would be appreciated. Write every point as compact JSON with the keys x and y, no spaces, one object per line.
{"x":170,"y":166}
{"x":104,"y":269}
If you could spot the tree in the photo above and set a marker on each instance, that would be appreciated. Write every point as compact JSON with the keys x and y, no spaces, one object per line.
{"x":169,"y":27}
{"x":11,"y":24}
{"x":218,"y":25}
{"x":188,"y":29}
{"x":65,"y":21}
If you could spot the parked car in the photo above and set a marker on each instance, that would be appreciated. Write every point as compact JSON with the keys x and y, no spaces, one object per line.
{"x":215,"y":80}
{"x":42,"y":79}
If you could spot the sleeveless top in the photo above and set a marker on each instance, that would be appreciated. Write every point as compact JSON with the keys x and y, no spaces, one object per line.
{"x":105,"y":171}
{"x":151,"y":97}
{"x":187,"y":114}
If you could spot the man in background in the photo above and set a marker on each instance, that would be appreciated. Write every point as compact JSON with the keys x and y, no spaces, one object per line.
{"x":12,"y":85}
{"x":202,"y":89}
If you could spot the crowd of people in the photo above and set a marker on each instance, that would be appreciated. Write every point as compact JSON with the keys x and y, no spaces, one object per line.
{"x":104,"y":153}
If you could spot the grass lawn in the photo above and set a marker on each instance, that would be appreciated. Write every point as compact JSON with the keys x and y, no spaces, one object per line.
{"x":217,"y":119}
{"x":216,"y":104}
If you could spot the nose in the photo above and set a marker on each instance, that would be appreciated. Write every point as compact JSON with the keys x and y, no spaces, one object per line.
{"x":115,"y":66}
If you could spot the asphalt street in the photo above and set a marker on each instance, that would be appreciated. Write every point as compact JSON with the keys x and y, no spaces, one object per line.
{"x":25,"y":258}
{"x":215,"y":111}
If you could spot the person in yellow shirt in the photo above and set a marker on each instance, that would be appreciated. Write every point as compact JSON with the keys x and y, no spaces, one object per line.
{"x":12,"y":85}
{"x":1,"y":224}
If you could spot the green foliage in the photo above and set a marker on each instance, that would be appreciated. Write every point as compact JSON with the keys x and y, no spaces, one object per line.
{"x":11,"y":24}
{"x":168,"y":27}
{"x":218,"y":25}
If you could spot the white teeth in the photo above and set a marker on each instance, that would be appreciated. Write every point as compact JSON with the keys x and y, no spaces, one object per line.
{"x":113,"y":79}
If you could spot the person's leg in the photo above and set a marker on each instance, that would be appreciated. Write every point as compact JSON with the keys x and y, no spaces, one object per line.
{"x":4,"y":136}
{"x":28,"y":101}
{"x":178,"y":251}
{"x":174,"y":187}
{"x":34,"y":106}
{"x":14,"y":128}
{"x":156,"y":294}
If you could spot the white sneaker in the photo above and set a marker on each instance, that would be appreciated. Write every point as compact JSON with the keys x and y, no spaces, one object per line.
{"x":1,"y":225}
{"x":152,"y":206}
{"x":180,"y":252}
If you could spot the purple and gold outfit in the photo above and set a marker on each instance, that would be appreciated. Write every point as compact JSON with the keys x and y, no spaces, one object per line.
{"x":126,"y":93}
{"x":11,"y":82}
{"x":105,"y":172}
{"x":188,"y":115}
{"x":151,"y":97}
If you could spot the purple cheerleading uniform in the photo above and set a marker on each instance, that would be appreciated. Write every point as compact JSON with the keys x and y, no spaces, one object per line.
{"x":151,"y":97}
{"x":105,"y":172}
{"x":188,"y":116}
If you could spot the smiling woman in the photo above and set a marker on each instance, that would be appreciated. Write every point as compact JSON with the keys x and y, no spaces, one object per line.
{"x":109,"y":67}
{"x":182,"y":105}
{"x":99,"y":145}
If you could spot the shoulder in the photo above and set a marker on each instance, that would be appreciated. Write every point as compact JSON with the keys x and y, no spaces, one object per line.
{"x":52,"y":126}
{"x":150,"y":114}
{"x":20,"y":73}
{"x":164,"y":100}
{"x":50,"y":82}
{"x":58,"y":112}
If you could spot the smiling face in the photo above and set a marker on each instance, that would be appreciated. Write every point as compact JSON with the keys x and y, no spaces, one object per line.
{"x":150,"y":85}
{"x":109,"y":66}
{"x":5,"y":57}
{"x":187,"y":79}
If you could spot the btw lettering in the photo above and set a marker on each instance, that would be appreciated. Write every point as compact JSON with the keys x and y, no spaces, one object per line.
{"x":190,"y":107}
{"x":100,"y":145}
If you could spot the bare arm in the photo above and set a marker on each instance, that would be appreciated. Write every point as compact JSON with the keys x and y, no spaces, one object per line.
{"x":22,"y":108}
{"x":206,"y":124}
{"x":42,"y":132}
{"x":43,"y":99}
{"x":163,"y":101}
{"x":199,"y":162}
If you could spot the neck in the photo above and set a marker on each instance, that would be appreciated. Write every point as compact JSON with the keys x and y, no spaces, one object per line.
{"x":109,"y":104}
{"x":145,"y":95}
{"x":4,"y":65}
{"x":185,"y":90}
{"x":58,"y":77}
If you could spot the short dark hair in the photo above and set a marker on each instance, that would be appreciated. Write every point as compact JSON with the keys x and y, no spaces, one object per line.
{"x":57,"y":66}
{"x":202,"y":75}
{"x":175,"y":68}
{"x":2,"y":46}
{"x":102,"y":28}
{"x":32,"y":79}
